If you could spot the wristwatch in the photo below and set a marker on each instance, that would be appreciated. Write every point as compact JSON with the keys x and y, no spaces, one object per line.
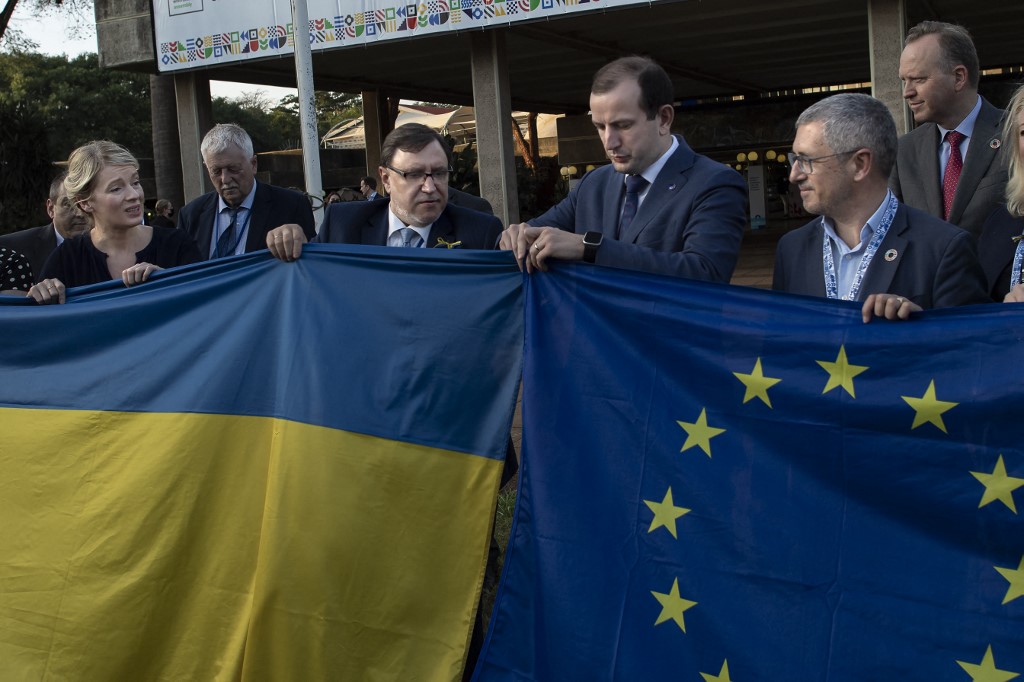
{"x":591,"y":240}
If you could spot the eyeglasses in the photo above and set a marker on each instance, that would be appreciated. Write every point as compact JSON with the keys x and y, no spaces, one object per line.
{"x":418,"y":177}
{"x":806,"y":165}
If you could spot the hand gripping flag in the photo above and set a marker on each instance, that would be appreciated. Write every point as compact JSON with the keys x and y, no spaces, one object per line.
{"x":726,"y":484}
{"x":255,"y":470}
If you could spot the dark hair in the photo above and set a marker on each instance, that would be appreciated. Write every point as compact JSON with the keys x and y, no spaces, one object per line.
{"x":57,"y":185}
{"x":956,"y":43}
{"x":655,"y":85}
{"x":370,"y":182}
{"x":411,"y":137}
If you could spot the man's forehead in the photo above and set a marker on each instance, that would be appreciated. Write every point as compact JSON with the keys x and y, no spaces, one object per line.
{"x":231,"y":154}
{"x":431,"y":155}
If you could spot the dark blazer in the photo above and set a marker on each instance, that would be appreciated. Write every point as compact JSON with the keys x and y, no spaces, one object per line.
{"x":689,"y":225}
{"x":915,"y":178}
{"x":366,"y":222}
{"x":35,"y":243}
{"x":935,"y":265}
{"x":457,"y":197}
{"x":996,"y":250}
{"x":271,"y":207}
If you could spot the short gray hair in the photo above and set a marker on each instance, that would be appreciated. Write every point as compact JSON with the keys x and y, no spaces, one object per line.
{"x":224,"y":135}
{"x":853,"y":121}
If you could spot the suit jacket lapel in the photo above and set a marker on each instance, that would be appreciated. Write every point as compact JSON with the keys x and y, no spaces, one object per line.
{"x":442,"y":228}
{"x":258,"y":216}
{"x":205,"y":226}
{"x":929,"y":172}
{"x":980,"y":156}
{"x":887,"y":259}
{"x":375,"y":231}
{"x":614,"y":191}
{"x":669,"y":181}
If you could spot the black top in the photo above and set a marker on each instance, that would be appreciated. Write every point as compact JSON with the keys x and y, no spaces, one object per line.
{"x":161,"y":221}
{"x":77,"y":262}
{"x":996,"y":249}
{"x":15,"y":271}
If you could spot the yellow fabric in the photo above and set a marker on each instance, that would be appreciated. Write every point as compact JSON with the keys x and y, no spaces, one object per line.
{"x":141,"y":546}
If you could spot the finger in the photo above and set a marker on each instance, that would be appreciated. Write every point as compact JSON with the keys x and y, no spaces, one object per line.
{"x":297,"y":242}
{"x":867,"y":311}
{"x":61,"y":294}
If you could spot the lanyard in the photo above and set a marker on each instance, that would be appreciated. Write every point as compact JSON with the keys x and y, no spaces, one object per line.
{"x":1018,"y":260}
{"x":831,"y":283}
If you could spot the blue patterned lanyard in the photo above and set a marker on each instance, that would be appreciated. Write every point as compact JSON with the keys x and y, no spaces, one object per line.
{"x":831,"y":283}
{"x":1018,"y":260}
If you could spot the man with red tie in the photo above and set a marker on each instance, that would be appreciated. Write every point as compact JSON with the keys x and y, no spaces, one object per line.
{"x":950,"y":165}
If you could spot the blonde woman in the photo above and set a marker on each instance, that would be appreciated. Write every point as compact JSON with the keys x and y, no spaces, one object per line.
{"x":1001,"y":248}
{"x":103,"y":182}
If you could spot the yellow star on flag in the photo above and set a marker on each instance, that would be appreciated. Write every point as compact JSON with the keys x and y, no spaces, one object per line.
{"x":1016,"y":580}
{"x":757,"y":384}
{"x":986,"y":671}
{"x":722,"y":676}
{"x":665,"y":514}
{"x":998,"y":486}
{"x":928,"y":408}
{"x":673,"y":606}
{"x":698,"y":433}
{"x":841,"y":373}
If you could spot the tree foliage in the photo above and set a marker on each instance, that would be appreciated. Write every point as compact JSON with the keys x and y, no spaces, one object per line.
{"x":73,"y":101}
{"x":331,"y":108}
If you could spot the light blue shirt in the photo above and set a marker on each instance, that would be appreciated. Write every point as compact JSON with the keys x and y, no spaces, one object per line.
{"x":395,"y":224}
{"x":224,"y":219}
{"x":966,"y":128}
{"x":847,"y":260}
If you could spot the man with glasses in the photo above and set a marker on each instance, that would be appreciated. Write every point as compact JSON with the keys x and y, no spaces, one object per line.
{"x":236,"y":217}
{"x":37,"y":243}
{"x":415,"y":165}
{"x":658,"y":207}
{"x":866,"y":245}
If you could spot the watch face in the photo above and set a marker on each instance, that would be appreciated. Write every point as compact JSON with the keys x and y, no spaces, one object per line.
{"x":592,"y":238}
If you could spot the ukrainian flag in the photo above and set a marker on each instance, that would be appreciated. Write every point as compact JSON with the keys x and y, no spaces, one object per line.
{"x":256,"y":470}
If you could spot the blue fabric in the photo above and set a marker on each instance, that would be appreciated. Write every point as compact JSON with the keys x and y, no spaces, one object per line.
{"x":334,"y":318}
{"x":827,"y":539}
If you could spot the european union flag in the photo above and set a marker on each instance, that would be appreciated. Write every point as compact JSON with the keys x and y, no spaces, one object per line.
{"x":255,"y":470}
{"x":728,"y":484}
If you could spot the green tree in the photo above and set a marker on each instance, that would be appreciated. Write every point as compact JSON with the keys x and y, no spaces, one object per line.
{"x":73,"y":101}
{"x":331,"y":108}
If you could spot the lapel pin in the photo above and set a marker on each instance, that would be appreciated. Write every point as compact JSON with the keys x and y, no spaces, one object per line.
{"x":671,"y":187}
{"x":995,"y":143}
{"x":891,"y":254}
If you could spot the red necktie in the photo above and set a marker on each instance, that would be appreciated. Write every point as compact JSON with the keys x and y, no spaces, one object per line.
{"x":953,"y":168}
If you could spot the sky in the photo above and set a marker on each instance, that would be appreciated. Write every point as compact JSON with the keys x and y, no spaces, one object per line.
{"x":49,"y":30}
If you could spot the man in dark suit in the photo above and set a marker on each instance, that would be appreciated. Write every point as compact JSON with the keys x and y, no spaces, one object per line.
{"x":659,"y":207}
{"x":457,"y":197}
{"x":415,"y":165}
{"x":867,"y":246}
{"x":236,"y":217}
{"x":37,"y":243}
{"x":368,"y":188}
{"x":949,"y":166}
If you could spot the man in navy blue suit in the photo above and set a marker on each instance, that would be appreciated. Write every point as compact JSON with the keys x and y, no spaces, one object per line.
{"x":236,"y":217}
{"x":867,"y":246}
{"x":659,"y":207}
{"x":415,"y":165}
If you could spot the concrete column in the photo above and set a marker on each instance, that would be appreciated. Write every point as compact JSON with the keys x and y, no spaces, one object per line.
{"x":195,"y":118}
{"x":887,"y":26}
{"x":493,"y":107}
{"x":374,"y":125}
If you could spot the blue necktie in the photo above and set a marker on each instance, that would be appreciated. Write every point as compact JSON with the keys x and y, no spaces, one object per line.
{"x":635,"y":184}
{"x":226,"y":243}
{"x":410,"y":237}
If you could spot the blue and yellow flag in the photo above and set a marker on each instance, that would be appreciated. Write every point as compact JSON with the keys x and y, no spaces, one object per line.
{"x":725,"y":484}
{"x":253,"y":470}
